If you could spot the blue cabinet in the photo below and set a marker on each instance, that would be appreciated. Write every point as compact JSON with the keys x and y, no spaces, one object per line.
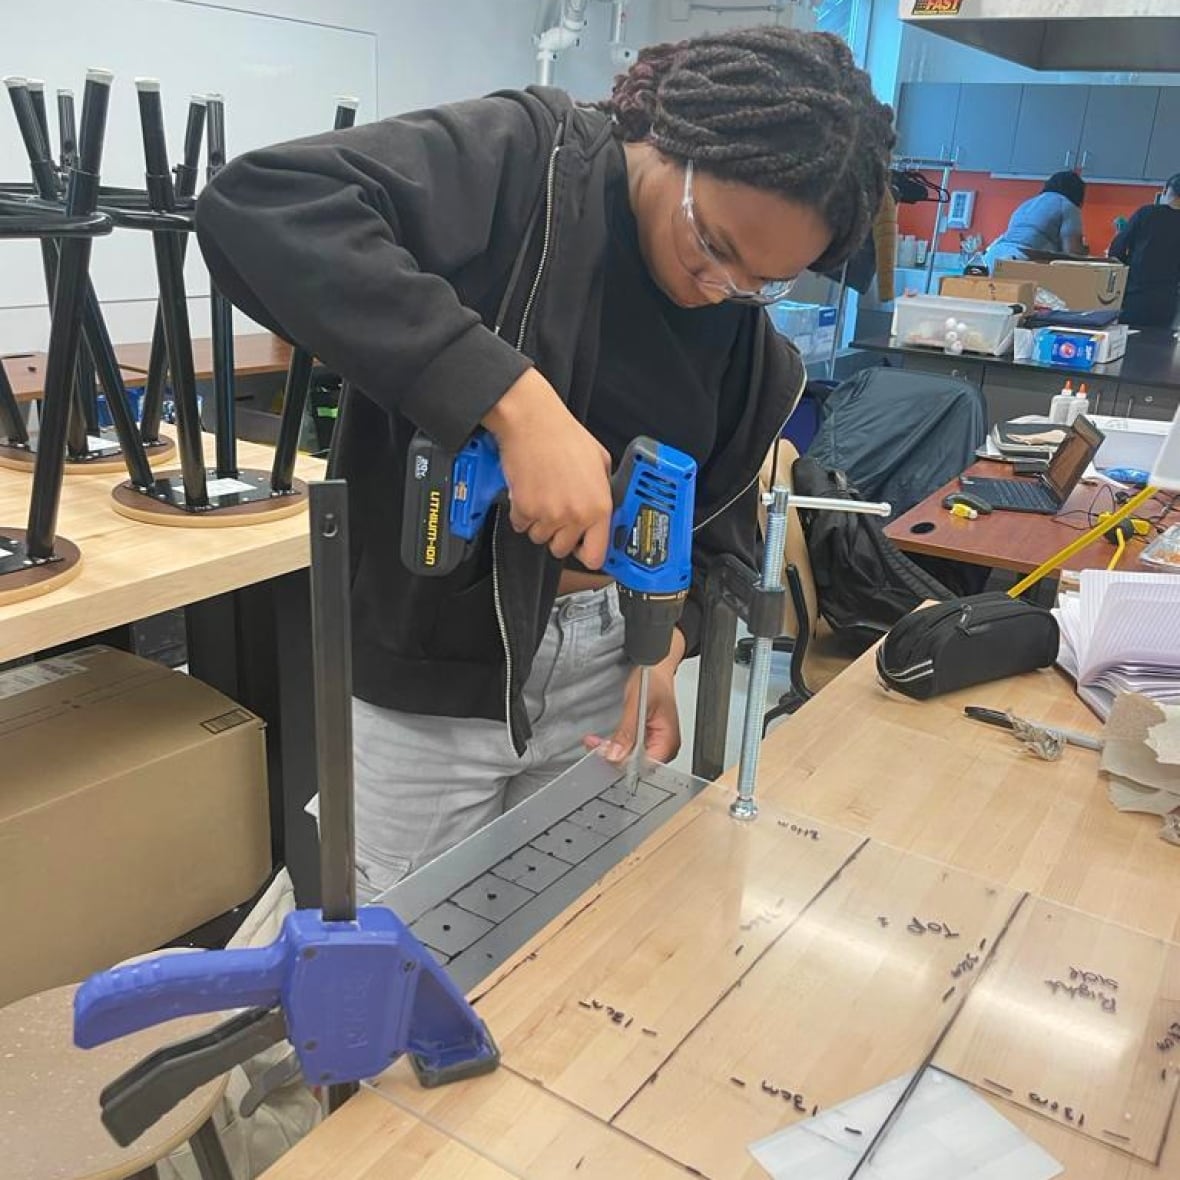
{"x":1117,"y":131}
{"x":1126,"y":133}
{"x":984,"y":126}
{"x":926,"y":119}
{"x":1163,"y":149}
{"x":1048,"y":129}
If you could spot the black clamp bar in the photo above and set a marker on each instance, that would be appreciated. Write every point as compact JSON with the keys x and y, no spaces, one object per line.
{"x":300,"y":369}
{"x":739,"y":587}
{"x":331,"y":635}
{"x":732,"y":592}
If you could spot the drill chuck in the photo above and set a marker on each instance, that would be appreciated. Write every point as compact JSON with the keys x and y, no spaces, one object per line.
{"x":649,"y":620}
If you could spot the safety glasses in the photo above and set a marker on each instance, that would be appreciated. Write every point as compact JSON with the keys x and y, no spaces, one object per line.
{"x":718,"y":275}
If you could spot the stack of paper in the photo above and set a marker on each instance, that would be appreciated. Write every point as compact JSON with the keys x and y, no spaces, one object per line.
{"x":1120,"y":632}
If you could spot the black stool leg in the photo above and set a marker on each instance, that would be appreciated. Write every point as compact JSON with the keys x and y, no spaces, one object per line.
{"x":12,"y":422}
{"x":173,"y":302}
{"x":186,"y":183}
{"x":65,"y":329}
{"x":209,"y":1154}
{"x":291,"y":420}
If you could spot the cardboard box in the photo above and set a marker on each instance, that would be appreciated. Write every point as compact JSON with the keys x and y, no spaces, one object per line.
{"x":1083,"y":286}
{"x":133,"y":807}
{"x":993,"y":289}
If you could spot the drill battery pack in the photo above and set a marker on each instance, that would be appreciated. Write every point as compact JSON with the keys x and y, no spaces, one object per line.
{"x":429,"y":547}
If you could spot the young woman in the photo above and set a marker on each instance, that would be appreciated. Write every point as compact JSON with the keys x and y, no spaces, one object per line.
{"x":568,"y":278}
{"x":1050,"y":221}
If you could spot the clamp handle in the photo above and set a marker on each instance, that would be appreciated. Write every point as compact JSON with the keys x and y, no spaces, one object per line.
{"x":139,"y":995}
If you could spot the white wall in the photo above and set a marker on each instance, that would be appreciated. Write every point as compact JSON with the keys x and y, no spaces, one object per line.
{"x":677,"y":20}
{"x":424,"y":52}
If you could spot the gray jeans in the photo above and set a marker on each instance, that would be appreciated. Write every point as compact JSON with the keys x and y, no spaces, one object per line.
{"x":425,"y":783}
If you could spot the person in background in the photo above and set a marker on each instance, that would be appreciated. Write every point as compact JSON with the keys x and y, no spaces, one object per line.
{"x":1051,"y":221}
{"x":1150,"y":246}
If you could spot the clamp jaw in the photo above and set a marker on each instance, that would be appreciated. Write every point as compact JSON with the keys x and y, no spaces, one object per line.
{"x":351,"y":997}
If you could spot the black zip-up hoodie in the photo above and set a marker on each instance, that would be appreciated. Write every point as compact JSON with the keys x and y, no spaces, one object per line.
{"x":430,"y":260}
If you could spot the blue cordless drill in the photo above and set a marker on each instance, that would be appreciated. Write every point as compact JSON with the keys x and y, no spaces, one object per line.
{"x":448,"y":499}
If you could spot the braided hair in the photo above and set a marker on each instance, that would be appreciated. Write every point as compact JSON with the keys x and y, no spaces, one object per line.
{"x":777,"y":109}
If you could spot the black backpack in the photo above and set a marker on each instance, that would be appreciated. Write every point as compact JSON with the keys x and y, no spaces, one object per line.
{"x":863,"y":582}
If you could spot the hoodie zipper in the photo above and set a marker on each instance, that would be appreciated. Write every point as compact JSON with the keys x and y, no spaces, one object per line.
{"x":524,"y":323}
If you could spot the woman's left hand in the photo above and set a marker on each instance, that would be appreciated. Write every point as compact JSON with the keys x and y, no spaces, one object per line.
{"x":662,"y":737}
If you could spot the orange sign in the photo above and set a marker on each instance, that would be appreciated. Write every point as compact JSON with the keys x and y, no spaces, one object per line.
{"x":937,"y":7}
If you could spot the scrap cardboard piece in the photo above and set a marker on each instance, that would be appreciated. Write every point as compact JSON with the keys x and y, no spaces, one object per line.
{"x":1139,"y":779}
{"x":1128,"y":795}
{"x":1164,"y":737}
{"x":945,"y":1129}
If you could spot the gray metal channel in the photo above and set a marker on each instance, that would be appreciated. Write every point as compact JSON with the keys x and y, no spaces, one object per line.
{"x":478,"y":903}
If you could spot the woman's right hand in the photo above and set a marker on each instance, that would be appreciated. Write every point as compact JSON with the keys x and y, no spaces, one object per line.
{"x":558,"y":474}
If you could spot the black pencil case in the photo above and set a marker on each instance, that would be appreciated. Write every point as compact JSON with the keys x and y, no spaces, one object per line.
{"x":966,"y":641}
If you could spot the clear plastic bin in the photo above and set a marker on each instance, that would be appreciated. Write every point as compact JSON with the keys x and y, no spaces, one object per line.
{"x":809,"y":326}
{"x":926,"y":319}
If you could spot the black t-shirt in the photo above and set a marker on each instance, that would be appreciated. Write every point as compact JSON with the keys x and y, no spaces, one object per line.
{"x":660,"y":366}
{"x":1151,"y":246}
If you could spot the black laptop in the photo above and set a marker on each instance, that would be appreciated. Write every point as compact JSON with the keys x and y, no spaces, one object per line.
{"x":1047,"y":492}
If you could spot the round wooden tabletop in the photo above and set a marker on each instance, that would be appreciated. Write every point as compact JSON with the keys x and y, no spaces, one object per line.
{"x":49,"y":1113}
{"x":128,"y":501}
{"x":16,"y":458}
{"x":38,"y":579}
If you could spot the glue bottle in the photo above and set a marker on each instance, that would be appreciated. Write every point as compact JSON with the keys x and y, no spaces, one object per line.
{"x":1078,"y":405}
{"x":1062,"y":404}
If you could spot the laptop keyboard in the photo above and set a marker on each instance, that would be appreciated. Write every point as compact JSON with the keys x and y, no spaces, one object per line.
{"x":1017,"y":494}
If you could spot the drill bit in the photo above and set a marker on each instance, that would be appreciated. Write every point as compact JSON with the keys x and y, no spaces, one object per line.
{"x":635,"y":761}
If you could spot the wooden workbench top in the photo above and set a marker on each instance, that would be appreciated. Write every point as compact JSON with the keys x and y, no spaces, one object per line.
{"x":765,"y":970}
{"x":1020,"y":541}
{"x":254,"y":352}
{"x":26,"y":374}
{"x":132,"y":570}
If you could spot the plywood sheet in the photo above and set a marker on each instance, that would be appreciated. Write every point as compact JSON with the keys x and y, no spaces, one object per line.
{"x":368,"y":1139}
{"x":856,"y":992}
{"x":1072,"y":1022}
{"x":601,"y":1004}
{"x":529,"y":1131}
